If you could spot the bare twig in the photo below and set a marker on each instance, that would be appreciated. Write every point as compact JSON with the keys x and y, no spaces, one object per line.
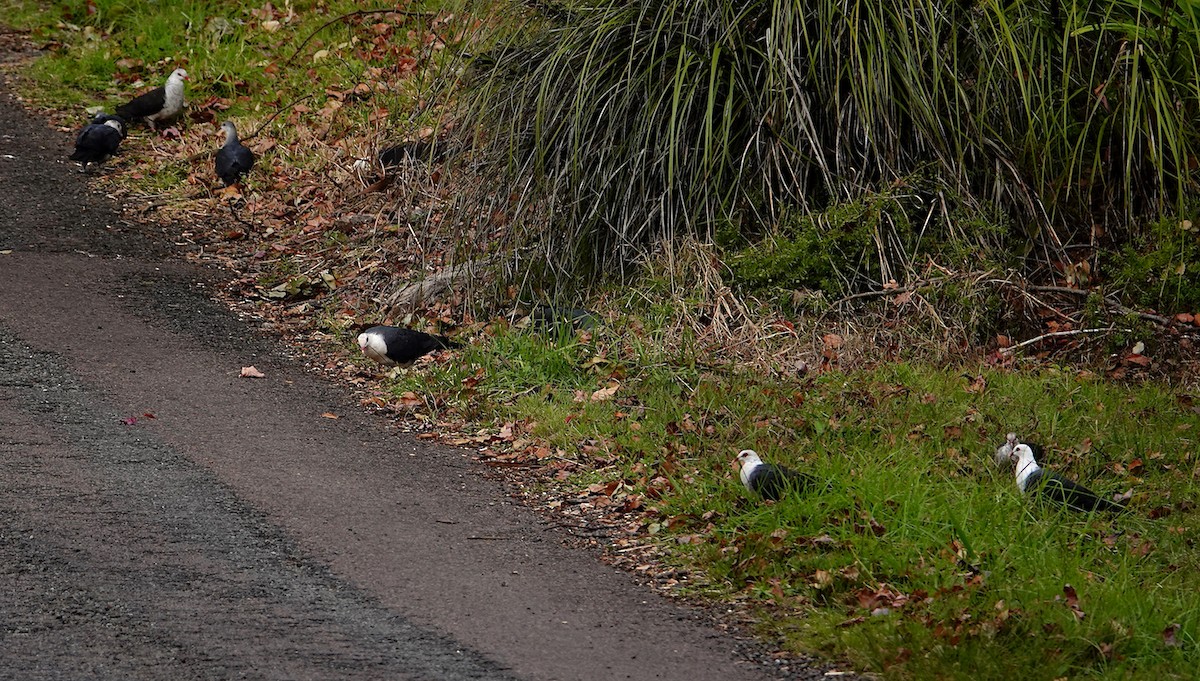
{"x":1157,"y":319}
{"x":1056,"y":334}
{"x":356,"y":13}
{"x":292,"y":103}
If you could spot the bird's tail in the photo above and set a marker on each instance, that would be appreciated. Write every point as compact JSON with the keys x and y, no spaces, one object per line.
{"x":1106,"y":506}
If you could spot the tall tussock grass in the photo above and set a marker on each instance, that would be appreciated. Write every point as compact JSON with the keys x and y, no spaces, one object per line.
{"x":629,"y":124}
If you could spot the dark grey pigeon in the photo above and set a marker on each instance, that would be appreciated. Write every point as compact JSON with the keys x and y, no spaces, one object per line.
{"x":554,"y":319}
{"x":160,"y":105}
{"x":99,"y":139}
{"x":234,"y":159}
{"x":392,"y":345}
{"x":1055,"y":489}
{"x":1004,"y":451}
{"x":770,"y":481}
{"x":411,"y":153}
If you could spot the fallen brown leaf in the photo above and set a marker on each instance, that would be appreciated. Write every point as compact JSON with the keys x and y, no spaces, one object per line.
{"x":252,"y":372}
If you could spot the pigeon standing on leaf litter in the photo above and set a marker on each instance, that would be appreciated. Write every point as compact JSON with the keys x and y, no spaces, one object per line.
{"x":234,"y":159}
{"x":1032,"y":479}
{"x":770,"y":481}
{"x":1004,"y":451}
{"x":160,"y":105}
{"x":99,"y":139}
{"x":392,"y":345}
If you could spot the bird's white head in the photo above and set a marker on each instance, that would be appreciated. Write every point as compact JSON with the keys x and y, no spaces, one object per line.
{"x":372,"y":345}
{"x":178,"y":75}
{"x":1026,"y":465}
{"x":1022,"y":454}
{"x":747,"y":460}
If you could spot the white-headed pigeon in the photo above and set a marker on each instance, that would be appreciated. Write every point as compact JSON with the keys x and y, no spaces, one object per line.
{"x":160,"y":105}
{"x":99,"y":139}
{"x":392,"y":345}
{"x":1004,"y":451}
{"x":770,"y":481}
{"x":1053,"y":488}
{"x":234,"y":159}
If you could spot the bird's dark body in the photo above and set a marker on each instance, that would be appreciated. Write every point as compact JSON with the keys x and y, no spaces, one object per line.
{"x":550,"y":318}
{"x":773,"y":482}
{"x":233,"y":161}
{"x":97,"y":141}
{"x":419,"y":151}
{"x":144,"y":105}
{"x":1059,"y":490}
{"x":405,"y":346}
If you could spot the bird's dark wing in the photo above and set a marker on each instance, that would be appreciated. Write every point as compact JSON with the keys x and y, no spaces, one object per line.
{"x":554,"y":319}
{"x":144,"y":105}
{"x":405,"y":346}
{"x":1071,"y":494}
{"x":96,"y":142}
{"x":232,"y":162}
{"x":773,"y":482}
{"x":407,"y":152}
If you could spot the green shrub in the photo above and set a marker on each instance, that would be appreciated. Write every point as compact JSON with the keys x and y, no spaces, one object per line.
{"x":1161,"y":269}
{"x":635,"y":122}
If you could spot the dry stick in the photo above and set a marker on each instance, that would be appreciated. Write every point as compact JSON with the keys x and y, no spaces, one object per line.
{"x":292,"y":103}
{"x":1158,"y":319}
{"x":356,"y":13}
{"x":1056,"y":334}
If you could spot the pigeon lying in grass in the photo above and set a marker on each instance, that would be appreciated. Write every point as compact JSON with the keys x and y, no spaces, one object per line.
{"x":555,"y":319}
{"x":160,"y":105}
{"x":1053,"y":488}
{"x":392,"y":345}
{"x":1004,"y":451}
{"x":770,"y":481}
{"x":234,"y":159}
{"x":99,"y":139}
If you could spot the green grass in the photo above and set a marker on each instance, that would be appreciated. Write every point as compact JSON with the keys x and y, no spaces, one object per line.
{"x":965,"y":577}
{"x":233,"y":52}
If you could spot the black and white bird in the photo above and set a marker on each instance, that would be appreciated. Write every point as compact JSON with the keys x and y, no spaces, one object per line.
{"x":1053,"y":488}
{"x":160,"y":105}
{"x":392,"y":345}
{"x":1004,"y":451}
{"x":234,"y":159}
{"x":770,"y":481}
{"x":99,"y":139}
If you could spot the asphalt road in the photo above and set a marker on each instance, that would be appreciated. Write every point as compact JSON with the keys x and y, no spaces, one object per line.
{"x":238,"y":533}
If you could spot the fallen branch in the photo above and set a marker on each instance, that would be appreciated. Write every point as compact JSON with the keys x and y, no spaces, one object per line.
{"x":1157,"y":319}
{"x":1056,"y":334}
{"x":420,"y":291}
